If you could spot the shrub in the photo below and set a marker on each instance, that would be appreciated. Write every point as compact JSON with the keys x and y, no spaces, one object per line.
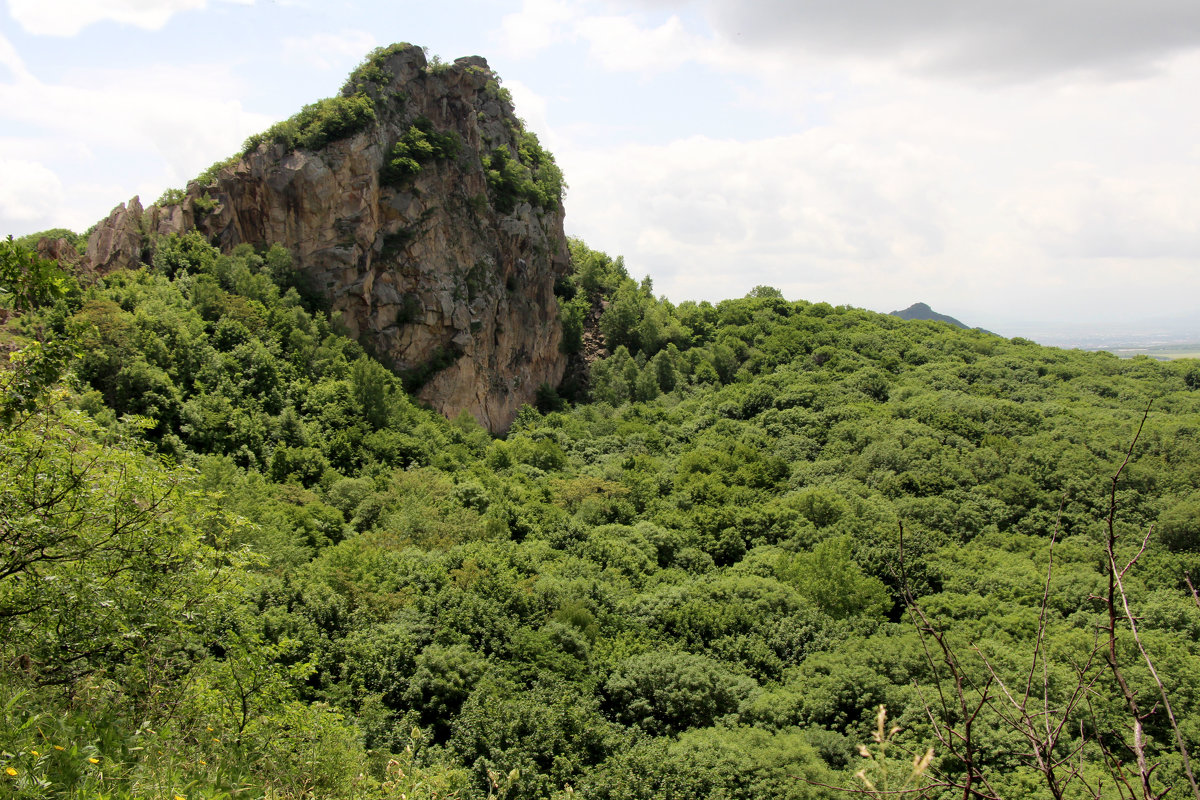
{"x":418,"y":376}
{"x":28,"y":281}
{"x":318,"y":124}
{"x":170,"y":197}
{"x":76,"y":240}
{"x":371,"y":71}
{"x":664,"y":693}
{"x":204,"y":205}
{"x":419,"y":145}
{"x":532,"y":176}
{"x":209,"y":176}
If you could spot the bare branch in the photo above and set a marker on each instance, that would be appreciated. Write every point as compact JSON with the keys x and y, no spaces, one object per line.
{"x":1187,"y":578}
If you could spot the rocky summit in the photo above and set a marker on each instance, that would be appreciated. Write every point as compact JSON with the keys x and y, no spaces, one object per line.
{"x":418,"y":207}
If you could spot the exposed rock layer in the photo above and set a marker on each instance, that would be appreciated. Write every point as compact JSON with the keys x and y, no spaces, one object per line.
{"x":426,"y":272}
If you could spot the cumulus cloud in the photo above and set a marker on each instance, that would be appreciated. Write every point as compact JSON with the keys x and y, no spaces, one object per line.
{"x":1010,"y":41}
{"x":1063,"y":201}
{"x":851,"y":223}
{"x":621,"y":44}
{"x":1078,"y":212}
{"x":538,"y":25}
{"x":328,"y":51}
{"x":133,"y":116}
{"x":711,"y":218}
{"x":69,"y":17}
{"x":997,"y":160}
{"x":618,"y":42}
{"x":533,"y":108}
{"x":11,"y":61}
{"x":140,"y":110}
{"x":1040,"y":156}
{"x":30,"y":192}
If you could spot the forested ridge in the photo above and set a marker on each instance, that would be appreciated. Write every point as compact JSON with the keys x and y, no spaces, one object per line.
{"x":236,"y":560}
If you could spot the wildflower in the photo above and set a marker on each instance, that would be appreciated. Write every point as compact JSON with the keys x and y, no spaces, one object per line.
{"x":180,"y":797}
{"x":34,"y":753}
{"x":204,"y":763}
{"x":59,"y":747}
{"x":12,"y":772}
{"x":93,"y":761}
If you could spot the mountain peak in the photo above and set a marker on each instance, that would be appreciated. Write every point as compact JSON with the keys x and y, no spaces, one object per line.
{"x":418,"y":206}
{"x":923,"y":311}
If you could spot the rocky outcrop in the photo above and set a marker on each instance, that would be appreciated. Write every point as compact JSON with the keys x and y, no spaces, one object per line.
{"x":59,"y":250}
{"x":441,"y":274}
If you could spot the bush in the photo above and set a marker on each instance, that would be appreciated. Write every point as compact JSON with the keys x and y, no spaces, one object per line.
{"x":318,"y":124}
{"x":371,"y":73}
{"x":550,"y":733}
{"x":531,"y":177}
{"x":728,"y":763}
{"x":27,"y":280}
{"x":1179,"y":526}
{"x":418,"y":146}
{"x":664,"y":693}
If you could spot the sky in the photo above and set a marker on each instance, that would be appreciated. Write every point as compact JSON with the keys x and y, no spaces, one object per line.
{"x":1028,"y":166}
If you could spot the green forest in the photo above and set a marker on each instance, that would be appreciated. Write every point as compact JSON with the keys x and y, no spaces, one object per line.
{"x":767,"y":549}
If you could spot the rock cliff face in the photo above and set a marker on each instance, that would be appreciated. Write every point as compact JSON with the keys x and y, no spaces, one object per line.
{"x":444,"y":271}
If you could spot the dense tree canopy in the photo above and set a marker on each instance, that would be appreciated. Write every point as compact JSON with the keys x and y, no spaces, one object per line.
{"x":237,"y":554}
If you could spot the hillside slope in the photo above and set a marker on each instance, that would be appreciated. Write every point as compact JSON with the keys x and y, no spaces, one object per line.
{"x":690,"y":585}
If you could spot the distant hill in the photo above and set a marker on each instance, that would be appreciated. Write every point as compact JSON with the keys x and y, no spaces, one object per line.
{"x":923,"y":311}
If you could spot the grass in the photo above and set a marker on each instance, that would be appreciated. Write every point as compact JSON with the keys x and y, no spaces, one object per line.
{"x":1164,"y":353}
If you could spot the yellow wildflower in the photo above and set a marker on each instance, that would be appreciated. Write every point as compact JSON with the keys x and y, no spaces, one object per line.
{"x":93,"y":761}
{"x":180,"y":797}
{"x":10,"y":771}
{"x":59,"y":747}
{"x":34,"y":753}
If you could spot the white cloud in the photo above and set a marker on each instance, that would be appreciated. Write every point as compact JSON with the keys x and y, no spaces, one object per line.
{"x":1077,"y":212}
{"x":30,"y":192}
{"x":1076,"y":200}
{"x":69,"y":17}
{"x":538,"y":25}
{"x":329,"y":51}
{"x":132,"y":117}
{"x":533,"y":109}
{"x":10,"y":59}
{"x":142,"y":110}
{"x":621,"y":44}
{"x":711,"y":218}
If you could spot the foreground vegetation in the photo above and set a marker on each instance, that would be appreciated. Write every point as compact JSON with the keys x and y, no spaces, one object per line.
{"x":238,"y":561}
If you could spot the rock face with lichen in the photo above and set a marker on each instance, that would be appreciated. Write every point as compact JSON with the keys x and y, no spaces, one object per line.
{"x":417,"y":205}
